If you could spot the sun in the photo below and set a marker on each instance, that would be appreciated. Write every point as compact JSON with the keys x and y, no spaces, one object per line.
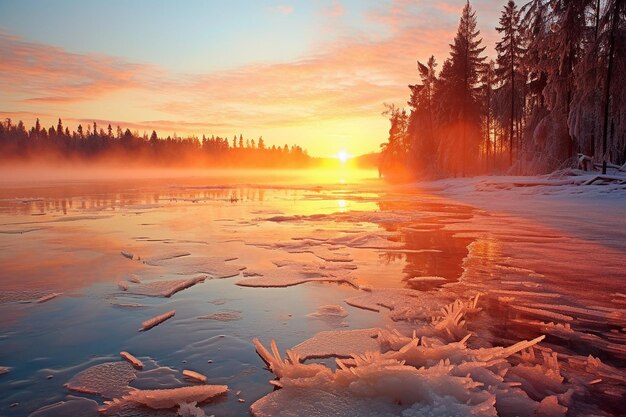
{"x":343,"y":156}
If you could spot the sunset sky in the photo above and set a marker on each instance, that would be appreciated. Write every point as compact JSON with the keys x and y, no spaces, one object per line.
{"x":315,"y":73}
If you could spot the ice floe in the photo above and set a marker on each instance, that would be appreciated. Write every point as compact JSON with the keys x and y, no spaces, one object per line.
{"x":190,"y":410}
{"x":194,"y":375}
{"x":48,"y":297}
{"x":216,"y":267}
{"x":290,"y":273}
{"x":331,"y":314}
{"x":155,"y":321}
{"x":137,"y":364}
{"x":107,"y":380}
{"x":156,"y":259}
{"x":338,"y":343}
{"x":223,"y":316}
{"x":167,"y":398}
{"x":71,"y":407}
{"x":165,"y":288}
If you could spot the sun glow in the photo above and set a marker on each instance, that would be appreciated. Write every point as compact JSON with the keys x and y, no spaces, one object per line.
{"x":343,"y":156}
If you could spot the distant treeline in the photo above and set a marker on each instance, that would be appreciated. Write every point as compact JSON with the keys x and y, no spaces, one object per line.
{"x":92,"y":143}
{"x":556,"y":89}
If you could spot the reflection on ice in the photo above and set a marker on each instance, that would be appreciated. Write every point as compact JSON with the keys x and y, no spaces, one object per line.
{"x":410,"y":333}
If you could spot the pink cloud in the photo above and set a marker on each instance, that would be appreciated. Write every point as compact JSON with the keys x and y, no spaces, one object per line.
{"x":282,"y":9}
{"x":43,"y":73}
{"x":336,"y":9}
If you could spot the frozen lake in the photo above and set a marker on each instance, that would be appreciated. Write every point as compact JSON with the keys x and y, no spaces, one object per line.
{"x":84,"y":263}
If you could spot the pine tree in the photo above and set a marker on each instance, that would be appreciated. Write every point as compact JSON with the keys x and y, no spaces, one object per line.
{"x":488,"y":82}
{"x":465,"y":66}
{"x":420,"y":130}
{"x":613,"y":10}
{"x":510,"y":52}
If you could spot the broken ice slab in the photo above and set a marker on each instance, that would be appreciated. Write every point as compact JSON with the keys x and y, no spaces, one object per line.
{"x":191,"y":410}
{"x":127,"y":254}
{"x":332,"y":315}
{"x":137,"y":364}
{"x":291,"y":273}
{"x":48,"y":297}
{"x":544,"y":314}
{"x":286,"y":281}
{"x":426,"y":282}
{"x":223,"y":316}
{"x":338,"y":343}
{"x":309,"y":401}
{"x":71,"y":407}
{"x":522,"y":293}
{"x":154,"y":260}
{"x":390,"y":298}
{"x":107,"y":380}
{"x":333,"y":311}
{"x":20,"y":231}
{"x":194,"y":375}
{"x":317,"y":247}
{"x":155,"y":321}
{"x":216,"y":267}
{"x":134,"y":279}
{"x":164,"y":288}
{"x":168,"y":398}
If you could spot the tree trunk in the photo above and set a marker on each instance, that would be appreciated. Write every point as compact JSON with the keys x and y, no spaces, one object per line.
{"x":607,"y":85}
{"x":511,"y":47}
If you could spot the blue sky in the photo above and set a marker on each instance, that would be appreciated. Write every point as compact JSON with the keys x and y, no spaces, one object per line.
{"x":313,"y":72}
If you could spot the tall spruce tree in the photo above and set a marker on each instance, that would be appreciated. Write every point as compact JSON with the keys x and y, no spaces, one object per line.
{"x":488,"y":82}
{"x":510,"y":52}
{"x":466,"y":64}
{"x":420,"y":130}
{"x":614,"y":10}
